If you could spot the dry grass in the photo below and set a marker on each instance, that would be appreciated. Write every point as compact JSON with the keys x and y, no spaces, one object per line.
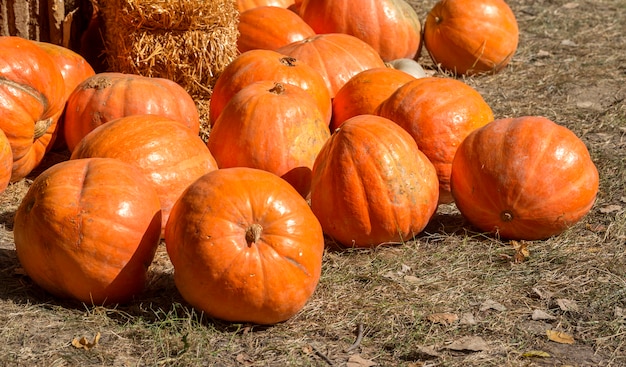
{"x":578,"y":278}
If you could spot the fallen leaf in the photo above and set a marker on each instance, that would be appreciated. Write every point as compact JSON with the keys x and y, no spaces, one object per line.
{"x":569,"y":43}
{"x":467,"y":318}
{"x":469,"y":343}
{"x":356,"y":360}
{"x":541,"y":315}
{"x":559,"y":337}
{"x":571,"y":5}
{"x":521,"y":251}
{"x":445,"y":318}
{"x":543,"y":53}
{"x":492,"y":305}
{"x":542,"y":293}
{"x":536,"y":354}
{"x":610,"y":209}
{"x":428,"y":351}
{"x":83,"y":343}
{"x":567,"y":305}
{"x":411,"y":279}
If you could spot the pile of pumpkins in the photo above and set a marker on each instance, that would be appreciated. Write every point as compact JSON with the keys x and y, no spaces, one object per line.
{"x":321,"y":129}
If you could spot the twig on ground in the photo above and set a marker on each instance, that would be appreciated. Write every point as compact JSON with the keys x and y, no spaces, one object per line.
{"x":359,"y":337}
{"x":322,"y":355}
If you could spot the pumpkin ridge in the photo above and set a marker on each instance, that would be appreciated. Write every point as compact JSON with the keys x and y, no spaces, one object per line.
{"x":28,"y":90}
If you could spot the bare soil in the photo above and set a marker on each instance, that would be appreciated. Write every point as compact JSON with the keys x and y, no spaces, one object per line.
{"x":451,"y":297}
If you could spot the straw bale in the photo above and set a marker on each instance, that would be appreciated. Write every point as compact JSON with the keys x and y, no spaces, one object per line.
{"x":187,"y":41}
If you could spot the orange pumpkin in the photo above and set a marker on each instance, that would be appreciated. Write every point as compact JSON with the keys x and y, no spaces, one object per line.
{"x":169,"y":154}
{"x":336,"y":56}
{"x":438,"y":113}
{"x":362,"y":94}
{"x":270,"y":27}
{"x":245,"y":246}
{"x":391,"y":27}
{"x":371,"y":185}
{"x":243,"y":5}
{"x":523,"y":178}
{"x":32,"y":95}
{"x":6,"y":162}
{"x":74,"y":69}
{"x":109,"y":96}
{"x":88,"y":229}
{"x":481,"y":38}
{"x":257,"y":65}
{"x":271,"y":126}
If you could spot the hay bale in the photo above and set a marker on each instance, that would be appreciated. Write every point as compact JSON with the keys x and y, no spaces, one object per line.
{"x":187,"y":41}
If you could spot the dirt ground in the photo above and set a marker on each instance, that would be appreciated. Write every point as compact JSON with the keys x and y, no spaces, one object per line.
{"x":452,"y":297}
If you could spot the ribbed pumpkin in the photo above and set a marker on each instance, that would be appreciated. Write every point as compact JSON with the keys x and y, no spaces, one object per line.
{"x":371,"y":184}
{"x":108,"y":96}
{"x":271,"y":126}
{"x":464,"y":39}
{"x":74,"y":69}
{"x":391,"y":27}
{"x":243,"y":5}
{"x":245,"y":246}
{"x":257,"y":65}
{"x":523,"y":178}
{"x":32,"y":95}
{"x":438,"y":113}
{"x":6,"y":162}
{"x":270,"y":27}
{"x":169,"y":154}
{"x":362,"y":94}
{"x":336,"y":56}
{"x":88,"y":229}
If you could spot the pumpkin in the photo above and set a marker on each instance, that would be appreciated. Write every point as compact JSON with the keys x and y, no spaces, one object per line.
{"x":31,"y":91}
{"x":270,"y":27}
{"x":6,"y":162}
{"x":245,"y":246}
{"x":257,"y":65}
{"x":362,"y":94}
{"x":371,"y":185}
{"x":74,"y":69}
{"x":88,"y":229}
{"x":524,"y":178}
{"x":409,"y":66}
{"x":438,"y":113}
{"x":108,"y":96}
{"x":169,"y":154}
{"x":336,"y":56}
{"x":391,"y":27}
{"x":271,"y":126}
{"x":243,"y":5}
{"x":481,"y":38}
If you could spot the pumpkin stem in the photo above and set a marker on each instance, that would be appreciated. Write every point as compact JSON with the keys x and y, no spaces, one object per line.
{"x":506,"y":216}
{"x":278,"y":88}
{"x":253,"y":233}
{"x":288,"y":61}
{"x":41,"y":127}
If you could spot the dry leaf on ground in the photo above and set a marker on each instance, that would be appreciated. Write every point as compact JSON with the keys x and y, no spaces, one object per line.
{"x":445,"y":318}
{"x":356,"y":360}
{"x":536,"y":354}
{"x":567,"y":305}
{"x":541,"y":315}
{"x":469,"y":343}
{"x":83,"y":343}
{"x":492,"y":305}
{"x":560,"y":337}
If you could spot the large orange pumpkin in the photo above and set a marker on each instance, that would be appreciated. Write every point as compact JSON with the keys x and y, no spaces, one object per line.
{"x":523,"y":178}
{"x":271,"y":126}
{"x":108,"y":96}
{"x":470,"y":39}
{"x":74,"y":69}
{"x":438,"y":113}
{"x":270,"y":27}
{"x":6,"y":161}
{"x":336,"y":56}
{"x":243,"y":5}
{"x":169,"y":154}
{"x":245,"y":246}
{"x":32,"y":95}
{"x":391,"y":27}
{"x":257,"y":65}
{"x":362,"y":94}
{"x":371,"y":184}
{"x":88,"y":229}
